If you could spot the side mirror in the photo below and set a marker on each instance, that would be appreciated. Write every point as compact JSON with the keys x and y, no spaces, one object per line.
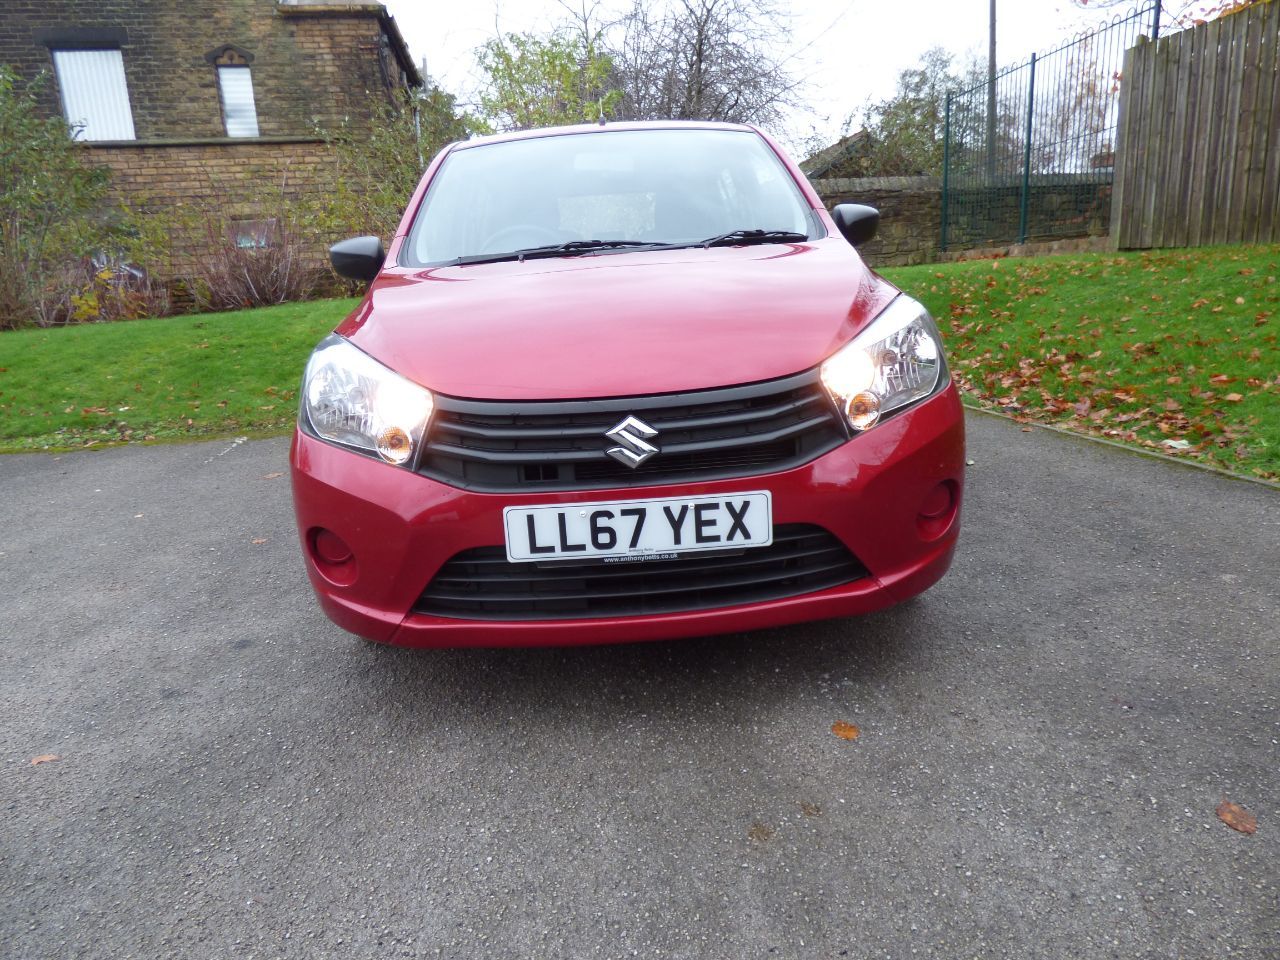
{"x":359,"y":258}
{"x":856,"y":221}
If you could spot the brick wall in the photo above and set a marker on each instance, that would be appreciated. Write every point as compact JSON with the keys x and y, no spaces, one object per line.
{"x":313,"y":64}
{"x":320,"y":64}
{"x":241,"y":181}
{"x":910,"y":215}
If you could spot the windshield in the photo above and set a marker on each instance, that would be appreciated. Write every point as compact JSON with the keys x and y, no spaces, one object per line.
{"x":642,"y":186}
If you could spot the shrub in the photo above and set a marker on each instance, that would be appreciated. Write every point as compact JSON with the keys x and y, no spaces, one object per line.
{"x":54,"y":214}
{"x":113,"y":289}
{"x":254,"y":263}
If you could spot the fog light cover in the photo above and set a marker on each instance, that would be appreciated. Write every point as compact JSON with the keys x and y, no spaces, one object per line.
{"x":332,"y":557}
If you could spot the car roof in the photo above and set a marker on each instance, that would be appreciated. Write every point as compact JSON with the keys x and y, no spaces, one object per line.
{"x":602,"y":128}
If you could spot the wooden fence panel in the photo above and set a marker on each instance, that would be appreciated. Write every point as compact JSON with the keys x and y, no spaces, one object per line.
{"x":1243,"y":187}
{"x":1184,"y":133}
{"x":1268,"y":125}
{"x":1233,"y":48}
{"x":1198,"y":144}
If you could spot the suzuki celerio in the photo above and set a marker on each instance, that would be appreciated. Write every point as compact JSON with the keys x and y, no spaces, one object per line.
{"x":622,"y":382}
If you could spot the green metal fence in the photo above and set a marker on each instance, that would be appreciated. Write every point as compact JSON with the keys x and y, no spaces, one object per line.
{"x":1031,"y":154}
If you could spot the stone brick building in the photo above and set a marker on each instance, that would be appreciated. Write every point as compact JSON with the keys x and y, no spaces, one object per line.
{"x":209,"y":104}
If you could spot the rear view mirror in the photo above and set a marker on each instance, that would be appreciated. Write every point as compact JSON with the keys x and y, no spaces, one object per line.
{"x":856,"y":221}
{"x":359,"y":258}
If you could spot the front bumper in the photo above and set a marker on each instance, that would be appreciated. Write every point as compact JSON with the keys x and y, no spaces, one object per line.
{"x":402,"y":527}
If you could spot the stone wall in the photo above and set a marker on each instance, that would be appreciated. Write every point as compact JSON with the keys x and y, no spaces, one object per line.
{"x":1059,"y":207}
{"x":910,"y":215}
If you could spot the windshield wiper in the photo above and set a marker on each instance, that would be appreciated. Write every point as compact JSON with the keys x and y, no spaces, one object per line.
{"x":743,"y":237}
{"x":570,"y":248}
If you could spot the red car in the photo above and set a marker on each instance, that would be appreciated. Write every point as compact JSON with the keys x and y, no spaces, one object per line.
{"x":623,"y":382}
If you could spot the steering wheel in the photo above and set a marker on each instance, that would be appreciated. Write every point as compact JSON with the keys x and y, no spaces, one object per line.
{"x":529,"y":235}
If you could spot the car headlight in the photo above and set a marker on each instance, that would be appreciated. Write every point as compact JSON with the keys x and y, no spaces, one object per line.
{"x":895,"y":361}
{"x":350,"y":399}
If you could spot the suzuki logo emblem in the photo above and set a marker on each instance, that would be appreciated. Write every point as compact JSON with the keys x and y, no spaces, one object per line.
{"x":633,"y":448}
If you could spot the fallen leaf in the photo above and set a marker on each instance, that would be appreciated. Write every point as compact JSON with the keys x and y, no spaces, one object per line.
{"x":272,"y":476}
{"x":1026,"y":429}
{"x":1232,"y":814}
{"x":259,"y":540}
{"x":845,"y":731}
{"x":810,"y":809}
{"x":759,"y":832}
{"x":50,"y":757}
{"x":1233,"y":397}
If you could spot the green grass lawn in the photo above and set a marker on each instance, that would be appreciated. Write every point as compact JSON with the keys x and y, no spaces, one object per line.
{"x":1177,"y":346}
{"x":1172,"y":350}
{"x":190,"y":377}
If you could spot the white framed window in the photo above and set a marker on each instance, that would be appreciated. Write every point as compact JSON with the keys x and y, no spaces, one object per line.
{"x":95,"y":97}
{"x":253,"y":234}
{"x":235,"y":87}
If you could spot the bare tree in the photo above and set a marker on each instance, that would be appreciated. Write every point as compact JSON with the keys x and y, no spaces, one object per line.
{"x":1176,"y":14}
{"x":703,"y":60}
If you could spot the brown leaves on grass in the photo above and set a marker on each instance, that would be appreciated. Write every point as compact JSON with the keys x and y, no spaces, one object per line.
{"x":1237,"y":817}
{"x":1151,"y":365}
{"x":1054,"y":386}
{"x":845,"y":731}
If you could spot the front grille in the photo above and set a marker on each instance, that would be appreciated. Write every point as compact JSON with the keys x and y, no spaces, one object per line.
{"x":480,"y":584}
{"x":560,"y":445}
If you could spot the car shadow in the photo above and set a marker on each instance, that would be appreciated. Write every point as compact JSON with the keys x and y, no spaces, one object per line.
{"x":680,"y":678}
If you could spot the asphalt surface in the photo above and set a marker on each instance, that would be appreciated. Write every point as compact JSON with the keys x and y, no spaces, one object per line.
{"x":1045,"y":736}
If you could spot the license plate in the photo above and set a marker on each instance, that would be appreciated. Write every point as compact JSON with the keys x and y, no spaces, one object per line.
{"x":638,"y":529}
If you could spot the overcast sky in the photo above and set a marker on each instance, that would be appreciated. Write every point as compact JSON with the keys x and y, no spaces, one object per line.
{"x":848,"y":50}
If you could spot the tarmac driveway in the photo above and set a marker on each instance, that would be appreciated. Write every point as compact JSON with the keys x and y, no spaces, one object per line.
{"x":1045,"y":737}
